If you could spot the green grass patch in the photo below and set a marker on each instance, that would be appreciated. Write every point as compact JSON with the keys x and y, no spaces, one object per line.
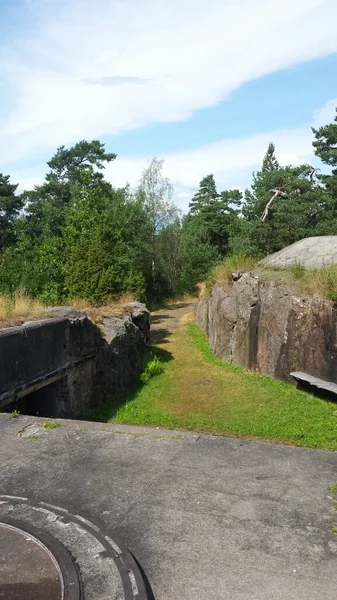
{"x":333,"y":488}
{"x":197,"y":391}
{"x":320,"y":282}
{"x":51,"y":424}
{"x":222,"y":273}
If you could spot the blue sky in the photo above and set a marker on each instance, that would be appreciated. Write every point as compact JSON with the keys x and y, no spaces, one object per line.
{"x":203,"y":86}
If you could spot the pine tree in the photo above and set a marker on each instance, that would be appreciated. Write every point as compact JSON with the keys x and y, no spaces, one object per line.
{"x":325,"y":146}
{"x":10,"y":205}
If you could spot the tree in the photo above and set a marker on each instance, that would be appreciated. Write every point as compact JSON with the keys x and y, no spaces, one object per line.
{"x":40,"y":252}
{"x":285,"y":204}
{"x":100,"y":239}
{"x":197,"y":255}
{"x":214,"y":213}
{"x":155,"y":191}
{"x":205,"y":196}
{"x":325,"y":145}
{"x":10,"y":206}
{"x":169,"y":259}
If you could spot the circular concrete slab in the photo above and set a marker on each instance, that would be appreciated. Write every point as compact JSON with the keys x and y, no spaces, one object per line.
{"x":28,"y":569}
{"x":72,"y":545}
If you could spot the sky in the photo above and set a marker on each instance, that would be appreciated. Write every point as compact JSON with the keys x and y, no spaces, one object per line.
{"x":205,"y":86}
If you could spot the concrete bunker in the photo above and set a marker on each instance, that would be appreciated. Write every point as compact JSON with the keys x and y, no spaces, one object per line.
{"x":62,"y":365}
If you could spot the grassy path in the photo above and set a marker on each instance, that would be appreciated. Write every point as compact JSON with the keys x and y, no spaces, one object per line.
{"x":198,"y":391}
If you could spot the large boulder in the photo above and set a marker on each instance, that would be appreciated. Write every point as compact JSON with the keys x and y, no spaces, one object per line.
{"x":312,"y":252}
{"x":264,"y":326}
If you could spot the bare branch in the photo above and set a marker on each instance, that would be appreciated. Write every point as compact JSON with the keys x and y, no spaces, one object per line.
{"x":277,"y":192}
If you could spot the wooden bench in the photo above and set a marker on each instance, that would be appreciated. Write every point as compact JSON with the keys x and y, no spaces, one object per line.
{"x":321,"y":384}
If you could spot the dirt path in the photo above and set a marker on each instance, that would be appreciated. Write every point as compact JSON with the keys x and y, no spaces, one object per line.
{"x":165,"y":321}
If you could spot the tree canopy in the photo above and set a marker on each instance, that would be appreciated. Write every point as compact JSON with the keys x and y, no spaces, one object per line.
{"x":76,"y":235}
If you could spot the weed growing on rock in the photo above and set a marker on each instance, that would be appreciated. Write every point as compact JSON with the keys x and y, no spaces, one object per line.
{"x":51,"y":424}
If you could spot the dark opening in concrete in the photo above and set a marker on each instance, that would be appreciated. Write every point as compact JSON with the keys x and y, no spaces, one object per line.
{"x":52,"y":400}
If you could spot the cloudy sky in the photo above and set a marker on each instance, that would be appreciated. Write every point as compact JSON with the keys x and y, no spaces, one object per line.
{"x":203,"y":85}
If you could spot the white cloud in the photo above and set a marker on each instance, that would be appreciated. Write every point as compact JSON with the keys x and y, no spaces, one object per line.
{"x":326,"y":114}
{"x":96,"y":68}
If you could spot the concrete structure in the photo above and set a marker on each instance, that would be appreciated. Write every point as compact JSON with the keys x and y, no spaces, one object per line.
{"x":206,"y":517}
{"x":312,"y":252}
{"x":63,"y":365}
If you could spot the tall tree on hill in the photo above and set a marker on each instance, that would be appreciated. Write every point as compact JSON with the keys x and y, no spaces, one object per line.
{"x":10,"y":206}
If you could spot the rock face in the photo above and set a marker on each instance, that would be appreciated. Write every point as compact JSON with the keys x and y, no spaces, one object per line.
{"x":263,"y":326}
{"x":62,"y":365}
{"x":312,"y":252}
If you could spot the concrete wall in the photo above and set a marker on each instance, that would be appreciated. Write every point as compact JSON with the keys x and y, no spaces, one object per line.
{"x":79,"y":363}
{"x":265,"y":327}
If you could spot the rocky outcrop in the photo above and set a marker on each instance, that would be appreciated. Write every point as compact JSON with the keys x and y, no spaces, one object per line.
{"x":265,"y":327}
{"x":65,"y":363}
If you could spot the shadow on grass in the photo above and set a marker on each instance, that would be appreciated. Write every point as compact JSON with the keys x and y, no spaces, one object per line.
{"x":318,"y":392}
{"x":181,"y":305}
{"x":108,"y":410}
{"x":160,"y":336}
{"x":159,"y":318}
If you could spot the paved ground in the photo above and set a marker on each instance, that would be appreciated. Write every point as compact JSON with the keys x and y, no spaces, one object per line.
{"x":312,"y":252}
{"x":206,"y":517}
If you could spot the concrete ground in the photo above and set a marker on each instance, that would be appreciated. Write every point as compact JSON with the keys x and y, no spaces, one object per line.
{"x":206,"y":517}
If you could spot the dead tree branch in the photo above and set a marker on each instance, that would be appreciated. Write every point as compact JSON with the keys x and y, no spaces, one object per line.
{"x":277,"y":192}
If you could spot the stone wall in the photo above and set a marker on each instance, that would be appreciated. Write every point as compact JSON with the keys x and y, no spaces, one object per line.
{"x":265,"y":327}
{"x":62,"y":365}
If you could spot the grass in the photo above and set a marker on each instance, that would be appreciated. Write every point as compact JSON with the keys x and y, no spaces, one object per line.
{"x":33,"y":436}
{"x":15,"y":413}
{"x":19,"y":305}
{"x":51,"y":424}
{"x":197,"y":391}
{"x":333,"y":488}
{"x":222,"y":273}
{"x":313,"y":282}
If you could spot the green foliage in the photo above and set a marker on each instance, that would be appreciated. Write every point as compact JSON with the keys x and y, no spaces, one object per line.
{"x":212,"y":214}
{"x":15,"y":413}
{"x":222,"y":273}
{"x":333,"y":488}
{"x":198,"y":391}
{"x":325,"y":145}
{"x":78,"y":236}
{"x":10,"y":205}
{"x":151,"y":367}
{"x":297,"y":270}
{"x":51,"y":424}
